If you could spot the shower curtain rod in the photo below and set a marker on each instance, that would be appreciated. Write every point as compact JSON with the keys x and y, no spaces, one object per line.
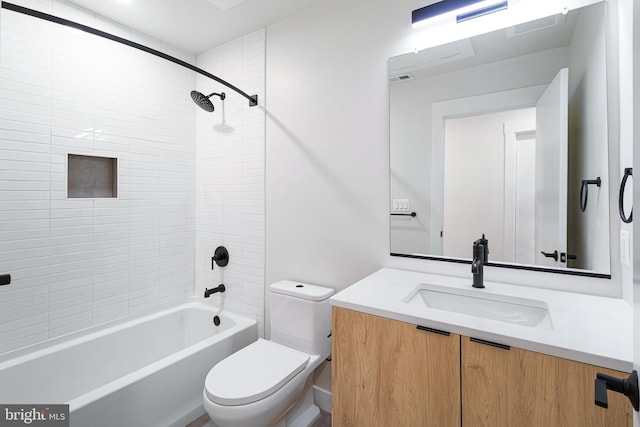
{"x":253,"y":99}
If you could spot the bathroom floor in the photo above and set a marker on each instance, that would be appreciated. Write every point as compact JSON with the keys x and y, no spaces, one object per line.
{"x":324,"y":421}
{"x":204,"y":421}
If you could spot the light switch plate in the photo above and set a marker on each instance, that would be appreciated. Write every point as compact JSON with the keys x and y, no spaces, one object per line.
{"x":624,"y":248}
{"x":401,"y":205}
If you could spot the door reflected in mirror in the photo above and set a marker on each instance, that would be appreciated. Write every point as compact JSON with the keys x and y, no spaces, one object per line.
{"x":494,"y":135}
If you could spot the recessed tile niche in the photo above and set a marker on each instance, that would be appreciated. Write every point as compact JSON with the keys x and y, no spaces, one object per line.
{"x":92,"y":177}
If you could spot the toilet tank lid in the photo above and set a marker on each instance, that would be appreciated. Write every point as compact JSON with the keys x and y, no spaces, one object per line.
{"x":302,"y":290}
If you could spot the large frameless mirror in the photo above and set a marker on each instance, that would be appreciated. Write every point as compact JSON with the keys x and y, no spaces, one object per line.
{"x":499,"y":135}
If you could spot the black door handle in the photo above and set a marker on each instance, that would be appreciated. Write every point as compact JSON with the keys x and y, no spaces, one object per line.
{"x":628,"y":387}
{"x":565,"y":256}
{"x":626,"y":219}
{"x":5,"y":279}
{"x":553,"y":255}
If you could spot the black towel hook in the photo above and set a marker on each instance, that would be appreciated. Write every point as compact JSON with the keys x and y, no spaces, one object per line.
{"x":584,"y":191}
{"x":627,"y":173}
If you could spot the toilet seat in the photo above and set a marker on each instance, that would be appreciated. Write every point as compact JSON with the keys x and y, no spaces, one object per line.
{"x":253,"y":373}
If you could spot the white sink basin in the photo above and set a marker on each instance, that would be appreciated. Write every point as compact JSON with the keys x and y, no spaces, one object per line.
{"x":479,"y":303}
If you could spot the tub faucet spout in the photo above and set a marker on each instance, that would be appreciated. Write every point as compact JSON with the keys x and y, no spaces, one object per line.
{"x":219,"y":288}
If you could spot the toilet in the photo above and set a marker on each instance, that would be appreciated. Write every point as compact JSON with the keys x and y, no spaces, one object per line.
{"x":269,"y":382}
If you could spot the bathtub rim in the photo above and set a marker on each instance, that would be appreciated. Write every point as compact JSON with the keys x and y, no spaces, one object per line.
{"x":8,"y":357}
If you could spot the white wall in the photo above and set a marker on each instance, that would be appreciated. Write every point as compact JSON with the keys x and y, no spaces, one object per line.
{"x":627,"y":50}
{"x":80,"y":262}
{"x":230,"y":177}
{"x":410,"y":179}
{"x":327,"y":140}
{"x":327,"y":149}
{"x":632,"y":292}
{"x":474,"y":182}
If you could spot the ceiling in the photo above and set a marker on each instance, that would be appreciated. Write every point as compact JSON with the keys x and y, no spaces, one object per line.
{"x":195,"y":26}
{"x":551,"y":32}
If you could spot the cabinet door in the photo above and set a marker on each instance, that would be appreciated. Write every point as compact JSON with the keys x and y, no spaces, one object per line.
{"x":519,"y":388}
{"x":389,"y":373}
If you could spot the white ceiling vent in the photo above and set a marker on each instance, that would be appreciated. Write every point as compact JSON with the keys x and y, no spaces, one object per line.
{"x":416,"y":64}
{"x":401,"y":77}
{"x":225,"y":4}
{"x":537,"y":25}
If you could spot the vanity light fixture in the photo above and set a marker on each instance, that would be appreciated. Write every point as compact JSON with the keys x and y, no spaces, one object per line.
{"x":463,"y":10}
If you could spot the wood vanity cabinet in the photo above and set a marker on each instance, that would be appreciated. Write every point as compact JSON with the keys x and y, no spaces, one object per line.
{"x":390,"y":373}
{"x":515,"y":387}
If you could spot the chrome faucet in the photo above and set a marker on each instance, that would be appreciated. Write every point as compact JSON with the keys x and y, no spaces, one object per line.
{"x":480,"y":257}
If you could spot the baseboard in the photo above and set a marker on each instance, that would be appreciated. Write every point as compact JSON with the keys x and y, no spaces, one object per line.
{"x":322,"y":387}
{"x":322,"y":399}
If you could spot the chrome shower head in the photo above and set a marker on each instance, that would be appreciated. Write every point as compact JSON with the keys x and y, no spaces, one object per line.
{"x":203,"y":101}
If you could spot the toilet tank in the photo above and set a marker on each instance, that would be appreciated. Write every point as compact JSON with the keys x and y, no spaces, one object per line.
{"x":301,"y":316}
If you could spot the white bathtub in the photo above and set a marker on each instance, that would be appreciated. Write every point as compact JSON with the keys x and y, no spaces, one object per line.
{"x":148,"y":371}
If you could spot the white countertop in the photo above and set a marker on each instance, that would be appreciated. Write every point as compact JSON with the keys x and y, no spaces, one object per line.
{"x":590,"y":329}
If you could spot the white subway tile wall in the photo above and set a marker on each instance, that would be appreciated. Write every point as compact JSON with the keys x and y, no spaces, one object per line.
{"x":230,"y":170}
{"x":76,"y":263}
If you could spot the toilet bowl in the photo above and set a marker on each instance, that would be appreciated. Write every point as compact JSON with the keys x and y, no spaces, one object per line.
{"x":269,"y":382}
{"x":258,"y":386}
